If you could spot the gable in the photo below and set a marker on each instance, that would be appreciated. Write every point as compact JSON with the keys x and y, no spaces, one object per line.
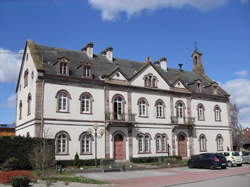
{"x":139,"y":80}
{"x":117,"y":75}
{"x":179,"y":84}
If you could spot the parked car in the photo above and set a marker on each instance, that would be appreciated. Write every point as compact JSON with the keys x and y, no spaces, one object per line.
{"x":246,"y":157}
{"x":208,"y":160}
{"x":233,"y":158}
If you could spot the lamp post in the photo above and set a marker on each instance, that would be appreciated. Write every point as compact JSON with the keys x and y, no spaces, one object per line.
{"x":95,"y":127}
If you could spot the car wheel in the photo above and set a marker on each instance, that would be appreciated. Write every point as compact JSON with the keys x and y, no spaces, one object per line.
{"x":223,"y":167}
{"x":230,"y":164}
{"x":212,"y":167}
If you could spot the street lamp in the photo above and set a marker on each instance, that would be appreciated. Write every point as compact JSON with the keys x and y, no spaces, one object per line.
{"x":95,"y":127}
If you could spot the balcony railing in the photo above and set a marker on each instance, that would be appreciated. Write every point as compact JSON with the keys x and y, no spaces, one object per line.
{"x":120,"y":117}
{"x":183,"y":120}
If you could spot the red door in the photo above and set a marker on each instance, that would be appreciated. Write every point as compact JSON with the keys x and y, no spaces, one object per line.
{"x":182,"y":146}
{"x":118,"y":147}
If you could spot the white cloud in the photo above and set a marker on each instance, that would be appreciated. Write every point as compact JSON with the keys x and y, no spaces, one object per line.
{"x":110,"y":9}
{"x":11,"y":101}
{"x":242,"y":73}
{"x":9,"y":65}
{"x":240,"y":95}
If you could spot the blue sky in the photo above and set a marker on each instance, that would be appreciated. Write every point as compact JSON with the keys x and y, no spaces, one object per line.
{"x":154,"y":28}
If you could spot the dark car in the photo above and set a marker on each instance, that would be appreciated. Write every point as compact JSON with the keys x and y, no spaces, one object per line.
{"x":208,"y":160}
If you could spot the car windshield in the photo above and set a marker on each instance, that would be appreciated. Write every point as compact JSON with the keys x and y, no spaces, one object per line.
{"x":236,"y":154}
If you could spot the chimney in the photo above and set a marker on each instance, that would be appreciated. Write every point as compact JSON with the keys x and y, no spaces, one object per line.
{"x":163,"y":64}
{"x":180,"y":67}
{"x":88,"y":49}
{"x":148,"y":60}
{"x":108,"y":52}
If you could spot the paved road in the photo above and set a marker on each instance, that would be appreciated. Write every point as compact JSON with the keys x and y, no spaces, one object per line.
{"x":174,"y":176}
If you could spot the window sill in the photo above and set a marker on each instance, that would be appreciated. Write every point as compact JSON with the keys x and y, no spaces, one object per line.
{"x":143,"y":116}
{"x":218,"y":120}
{"x":160,"y":117}
{"x":144,"y":153}
{"x":87,"y":113}
{"x":62,"y":154}
{"x":161,"y":152}
{"x":62,"y":111}
{"x":86,"y":154}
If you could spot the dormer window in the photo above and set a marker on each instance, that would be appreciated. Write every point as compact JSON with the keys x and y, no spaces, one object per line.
{"x":198,"y":86}
{"x":63,"y":68}
{"x":150,"y":81}
{"x":86,"y":71}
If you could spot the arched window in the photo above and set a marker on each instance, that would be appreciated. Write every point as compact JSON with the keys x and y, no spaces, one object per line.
{"x":63,"y":101}
{"x":63,"y":68}
{"x":29,"y":104}
{"x":86,"y":103}
{"x":219,"y":142}
{"x":140,"y":143}
{"x":164,"y":143}
{"x":201,"y":112}
{"x":217,"y":113}
{"x":180,"y":110}
{"x":144,"y":143}
{"x":159,"y":105}
{"x":20,"y":110}
{"x":161,"y":143}
{"x":143,"y":107}
{"x":87,"y":71}
{"x":25,"y":78}
{"x":203,"y":143}
{"x":150,"y":81}
{"x":147,"y":143}
{"x":62,"y":143}
{"x":154,"y":82}
{"x":158,"y":143}
{"x":86,"y":140}
{"x":118,"y":107}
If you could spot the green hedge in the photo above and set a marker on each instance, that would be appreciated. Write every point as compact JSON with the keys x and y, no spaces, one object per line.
{"x":89,"y":162}
{"x":19,"y":148}
{"x":155,"y":159}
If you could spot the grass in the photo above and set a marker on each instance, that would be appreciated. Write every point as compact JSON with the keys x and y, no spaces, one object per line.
{"x":74,"y":179}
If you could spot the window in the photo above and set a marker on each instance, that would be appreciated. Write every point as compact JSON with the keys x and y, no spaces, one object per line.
{"x":150,"y":81}
{"x":217,"y":113}
{"x":200,"y":110}
{"x":86,"y":140}
{"x":143,"y":107}
{"x":62,"y":142}
{"x":86,"y":103}
{"x":180,"y":110}
{"x":29,"y":104}
{"x":203,"y":143}
{"x":63,"y":68}
{"x":118,"y":107}
{"x":87,"y":71}
{"x":20,"y":110}
{"x":219,"y":142}
{"x":27,"y":56}
{"x":26,"y":76}
{"x":161,"y":143}
{"x":63,"y":101}
{"x":159,"y":109}
{"x":144,"y":143}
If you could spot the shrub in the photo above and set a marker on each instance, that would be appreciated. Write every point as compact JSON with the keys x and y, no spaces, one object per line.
{"x":11,"y":164}
{"x":20,"y":181}
{"x":5,"y":177}
{"x":155,"y":159}
{"x":89,"y":162}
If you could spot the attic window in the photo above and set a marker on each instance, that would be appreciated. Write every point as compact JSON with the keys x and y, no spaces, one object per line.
{"x":63,"y":68}
{"x":26,"y":73}
{"x":198,"y":87}
{"x":86,"y":71}
{"x":150,"y":81}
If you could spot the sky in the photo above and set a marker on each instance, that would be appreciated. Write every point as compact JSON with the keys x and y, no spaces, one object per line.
{"x":135,"y":29}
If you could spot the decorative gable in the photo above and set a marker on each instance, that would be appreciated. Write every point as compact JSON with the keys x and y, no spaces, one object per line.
{"x":179,"y":84}
{"x":117,"y":75}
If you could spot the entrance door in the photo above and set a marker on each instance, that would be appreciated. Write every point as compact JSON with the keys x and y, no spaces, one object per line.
{"x":182,"y":146}
{"x":118,"y":147}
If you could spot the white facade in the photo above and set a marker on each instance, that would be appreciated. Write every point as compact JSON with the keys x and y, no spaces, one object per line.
{"x":119,"y":136}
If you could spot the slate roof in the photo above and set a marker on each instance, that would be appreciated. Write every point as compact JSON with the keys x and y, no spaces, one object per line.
{"x":46,"y":58}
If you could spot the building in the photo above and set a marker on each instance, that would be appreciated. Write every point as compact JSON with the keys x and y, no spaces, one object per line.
{"x":98,"y":105}
{"x":7,"y":130}
{"x":246,"y":138}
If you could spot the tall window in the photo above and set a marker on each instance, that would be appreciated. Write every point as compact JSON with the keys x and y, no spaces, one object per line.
{"x":62,"y":141}
{"x":180,"y":110}
{"x":150,"y":81}
{"x":29,"y":104}
{"x":161,"y":143}
{"x":203,"y":143}
{"x":219,"y":142}
{"x":20,"y":110}
{"x":144,"y":143}
{"x":63,"y":68}
{"x":118,"y":103}
{"x":86,"y":143}
{"x":143,"y":107}
{"x":217,"y":113}
{"x":159,"y":109}
{"x":63,"y":101}
{"x":86,"y":103}
{"x":201,"y":113}
{"x":87,"y":71}
{"x":26,"y":77}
